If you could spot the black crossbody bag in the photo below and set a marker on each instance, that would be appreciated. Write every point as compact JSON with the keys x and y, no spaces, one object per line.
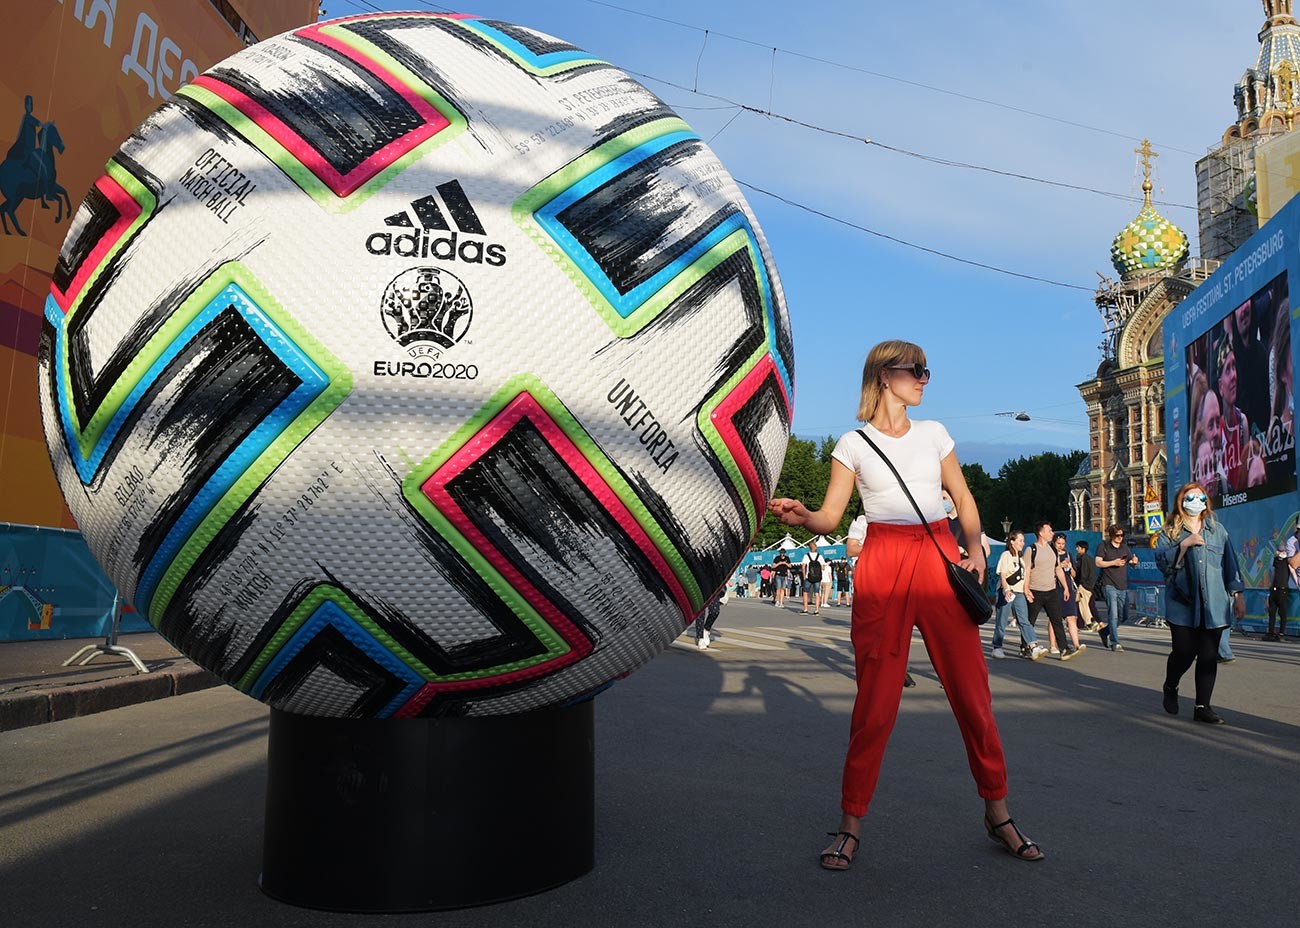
{"x":965,"y":584}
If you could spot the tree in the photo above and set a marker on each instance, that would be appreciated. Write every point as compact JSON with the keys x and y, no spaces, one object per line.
{"x":1026,"y":490}
{"x":804,"y":476}
{"x":1033,"y":489}
{"x":982,"y":487}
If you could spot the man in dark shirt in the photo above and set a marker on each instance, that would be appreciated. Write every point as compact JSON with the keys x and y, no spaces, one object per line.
{"x":781,"y":576}
{"x":1285,"y":559}
{"x":1114,"y":559}
{"x":1085,"y":578}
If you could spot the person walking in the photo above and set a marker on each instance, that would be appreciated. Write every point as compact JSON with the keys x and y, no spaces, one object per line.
{"x":1011,"y":585}
{"x":1085,"y":578}
{"x":1114,"y":559}
{"x":857,"y":535}
{"x":781,"y":568}
{"x":842,"y":581}
{"x":811,"y":569}
{"x":704,"y":622}
{"x":1196,"y":556}
{"x":1285,"y":559}
{"x":828,"y":582}
{"x":1070,"y":615}
{"x":950,"y":511}
{"x":1045,"y":587}
{"x":1225,"y":648}
{"x":901,"y":582}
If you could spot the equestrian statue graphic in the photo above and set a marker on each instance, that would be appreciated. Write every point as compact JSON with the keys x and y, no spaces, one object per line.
{"x":28,"y":172}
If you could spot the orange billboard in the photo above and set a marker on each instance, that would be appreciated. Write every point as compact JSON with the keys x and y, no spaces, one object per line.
{"x":75,"y":81}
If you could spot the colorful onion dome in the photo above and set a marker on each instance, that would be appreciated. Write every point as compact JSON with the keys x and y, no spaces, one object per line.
{"x":1150,"y":242}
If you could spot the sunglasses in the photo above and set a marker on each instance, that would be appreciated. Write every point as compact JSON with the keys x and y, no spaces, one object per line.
{"x":918,"y":370}
{"x":1195,"y":497}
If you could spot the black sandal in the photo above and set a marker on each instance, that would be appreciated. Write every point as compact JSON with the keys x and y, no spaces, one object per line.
{"x":1019,"y":852}
{"x":838,"y":853}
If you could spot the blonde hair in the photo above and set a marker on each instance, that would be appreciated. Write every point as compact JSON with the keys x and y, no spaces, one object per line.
{"x":883,"y":355}
{"x":1175,"y":525}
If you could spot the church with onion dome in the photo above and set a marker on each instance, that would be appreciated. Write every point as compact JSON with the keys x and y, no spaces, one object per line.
{"x":1155,"y":272}
{"x":1126,"y":397}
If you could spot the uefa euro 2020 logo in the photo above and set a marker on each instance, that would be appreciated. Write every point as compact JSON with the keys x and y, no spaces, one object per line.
{"x":425,"y":309}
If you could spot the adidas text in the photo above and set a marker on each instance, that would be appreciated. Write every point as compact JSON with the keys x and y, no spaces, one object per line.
{"x":419,"y":243}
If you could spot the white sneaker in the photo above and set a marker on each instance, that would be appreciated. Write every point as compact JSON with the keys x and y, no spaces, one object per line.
{"x":703,"y":643}
{"x":1054,"y":651}
{"x":999,"y":653}
{"x":1039,"y":651}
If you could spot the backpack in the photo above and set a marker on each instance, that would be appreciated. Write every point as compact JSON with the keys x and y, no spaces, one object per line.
{"x":815,"y":569}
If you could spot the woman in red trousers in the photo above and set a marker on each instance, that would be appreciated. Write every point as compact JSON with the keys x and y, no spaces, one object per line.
{"x":901,"y":582}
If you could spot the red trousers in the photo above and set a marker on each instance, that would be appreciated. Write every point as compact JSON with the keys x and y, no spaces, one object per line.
{"x":900,"y":582}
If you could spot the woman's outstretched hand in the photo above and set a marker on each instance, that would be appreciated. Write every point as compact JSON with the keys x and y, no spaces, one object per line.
{"x":788,"y":511}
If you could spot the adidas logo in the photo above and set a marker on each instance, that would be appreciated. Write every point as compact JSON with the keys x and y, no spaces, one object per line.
{"x":435,"y":238}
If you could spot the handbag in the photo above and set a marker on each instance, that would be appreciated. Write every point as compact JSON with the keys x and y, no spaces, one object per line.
{"x":965,"y":585}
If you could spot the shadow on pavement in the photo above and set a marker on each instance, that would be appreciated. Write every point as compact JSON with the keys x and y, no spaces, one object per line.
{"x":716,"y":778}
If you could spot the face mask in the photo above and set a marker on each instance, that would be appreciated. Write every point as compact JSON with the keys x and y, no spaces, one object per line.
{"x":947,"y":506}
{"x":1193,"y":505}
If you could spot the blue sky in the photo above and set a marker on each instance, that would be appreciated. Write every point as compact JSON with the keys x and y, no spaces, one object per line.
{"x":995,"y":343}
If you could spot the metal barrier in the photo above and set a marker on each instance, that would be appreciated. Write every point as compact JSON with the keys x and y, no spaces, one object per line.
{"x":1146,"y":602}
{"x":110,"y":645}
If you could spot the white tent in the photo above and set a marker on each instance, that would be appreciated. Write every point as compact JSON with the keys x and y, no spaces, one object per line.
{"x":788,"y":543}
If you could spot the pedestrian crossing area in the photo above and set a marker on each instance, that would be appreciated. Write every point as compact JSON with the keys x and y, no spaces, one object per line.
{"x":770,"y":638}
{"x":730,"y":638}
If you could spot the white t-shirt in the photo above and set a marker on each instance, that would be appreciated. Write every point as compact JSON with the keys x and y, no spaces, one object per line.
{"x":916,"y":455}
{"x":858,"y":529}
{"x":826,"y":567}
{"x":1008,"y":564}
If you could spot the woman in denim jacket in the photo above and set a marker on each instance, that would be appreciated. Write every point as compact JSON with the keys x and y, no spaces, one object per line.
{"x":1196,"y":556}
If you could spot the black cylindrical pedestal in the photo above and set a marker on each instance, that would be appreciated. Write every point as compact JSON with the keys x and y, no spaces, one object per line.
{"x":402,"y":815}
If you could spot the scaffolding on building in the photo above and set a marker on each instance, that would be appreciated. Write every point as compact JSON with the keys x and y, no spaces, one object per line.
{"x":1117,"y":299}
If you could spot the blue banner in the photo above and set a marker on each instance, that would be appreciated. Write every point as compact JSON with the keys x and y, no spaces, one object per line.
{"x":759,"y":558}
{"x":1230,"y":397}
{"x":51,"y":587}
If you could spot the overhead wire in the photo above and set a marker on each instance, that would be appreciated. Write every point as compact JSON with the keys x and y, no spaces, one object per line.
{"x":899,"y":241}
{"x":890,"y":77}
{"x":741,"y":107}
{"x":838,"y":133}
{"x":933,"y":159}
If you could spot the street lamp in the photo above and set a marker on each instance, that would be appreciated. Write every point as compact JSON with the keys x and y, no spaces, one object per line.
{"x":1020,"y":416}
{"x":1006,"y":526}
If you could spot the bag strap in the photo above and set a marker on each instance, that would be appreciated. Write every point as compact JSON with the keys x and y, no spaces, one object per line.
{"x":906,"y":491}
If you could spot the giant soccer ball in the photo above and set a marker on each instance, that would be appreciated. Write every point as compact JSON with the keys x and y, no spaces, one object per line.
{"x":411,"y":364}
